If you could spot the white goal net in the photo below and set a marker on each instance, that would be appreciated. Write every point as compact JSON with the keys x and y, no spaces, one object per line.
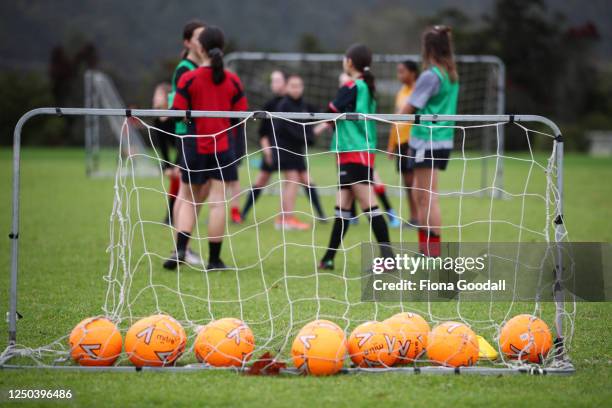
{"x":273,"y":283}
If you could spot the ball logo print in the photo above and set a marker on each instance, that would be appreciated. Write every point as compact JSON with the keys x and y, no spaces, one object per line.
{"x":146,"y":334}
{"x":91,"y":349}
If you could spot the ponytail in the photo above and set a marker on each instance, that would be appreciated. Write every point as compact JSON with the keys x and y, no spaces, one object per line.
{"x":213,"y":41}
{"x":437,"y":48}
{"x":370,"y":81}
{"x":361,"y":56}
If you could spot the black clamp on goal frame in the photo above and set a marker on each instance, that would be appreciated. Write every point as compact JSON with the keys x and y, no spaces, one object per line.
{"x":128,"y":113}
{"x":188,"y":116}
{"x":417,"y":119}
{"x":260,"y":115}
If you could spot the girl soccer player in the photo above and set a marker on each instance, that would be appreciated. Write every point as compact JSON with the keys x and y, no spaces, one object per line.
{"x":435,"y":92}
{"x":407,"y":74}
{"x":207,"y":160}
{"x":354,"y":143}
{"x":191,"y":58}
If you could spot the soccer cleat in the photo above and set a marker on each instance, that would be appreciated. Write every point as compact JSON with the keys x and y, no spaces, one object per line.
{"x":236,"y":216}
{"x":326,"y":265}
{"x":193,"y":258}
{"x":216,"y":266}
{"x":175,"y":258}
{"x":394,"y":220}
{"x":290,"y":223}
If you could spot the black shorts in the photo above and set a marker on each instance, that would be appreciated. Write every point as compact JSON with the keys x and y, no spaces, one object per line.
{"x":198,"y":168}
{"x":288,"y":160}
{"x":237,"y":146}
{"x":353,"y":173}
{"x":437,"y":158}
{"x":402,"y":160}
{"x":270,"y":168}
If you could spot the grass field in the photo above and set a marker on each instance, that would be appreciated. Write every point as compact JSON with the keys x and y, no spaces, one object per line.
{"x":65,"y":232}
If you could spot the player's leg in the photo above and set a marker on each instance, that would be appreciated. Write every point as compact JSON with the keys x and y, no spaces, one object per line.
{"x":344,"y":198}
{"x":381,"y":192}
{"x":364,"y":194}
{"x":408,"y":178}
{"x":216,"y":224}
{"x":185,"y":219}
{"x":234,"y":195}
{"x":260,"y":183}
{"x":428,"y":209}
{"x":290,"y":183}
{"x":311,"y":192}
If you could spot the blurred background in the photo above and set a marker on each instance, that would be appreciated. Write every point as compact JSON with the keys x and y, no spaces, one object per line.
{"x":557,"y":53}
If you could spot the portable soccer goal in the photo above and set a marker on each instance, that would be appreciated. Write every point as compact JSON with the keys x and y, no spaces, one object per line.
{"x":273,"y":284}
{"x":481,"y":81}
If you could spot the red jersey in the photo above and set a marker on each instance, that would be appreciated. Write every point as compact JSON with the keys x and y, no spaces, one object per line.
{"x":197,"y":91}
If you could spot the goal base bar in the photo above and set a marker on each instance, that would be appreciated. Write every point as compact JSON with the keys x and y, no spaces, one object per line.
{"x":429,"y":370}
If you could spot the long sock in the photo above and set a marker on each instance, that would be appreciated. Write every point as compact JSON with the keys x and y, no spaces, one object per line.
{"x":182,"y":239}
{"x":313,"y":195}
{"x":429,"y":242}
{"x":353,"y":210}
{"x":251,"y":198}
{"x":214,"y":250}
{"x":171,"y":201}
{"x":380,"y":229}
{"x":381,"y":192}
{"x":339,"y":229}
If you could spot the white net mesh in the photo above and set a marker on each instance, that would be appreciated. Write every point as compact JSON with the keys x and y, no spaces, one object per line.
{"x":273,"y":283}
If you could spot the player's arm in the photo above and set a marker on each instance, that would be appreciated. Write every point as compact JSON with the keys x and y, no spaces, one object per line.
{"x":343,"y":102}
{"x":426,"y":86}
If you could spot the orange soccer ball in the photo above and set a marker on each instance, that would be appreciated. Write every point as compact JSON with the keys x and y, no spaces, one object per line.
{"x":453,"y":344}
{"x":224,"y":343}
{"x":411,"y":331}
{"x":323,"y":322}
{"x":319,"y":348}
{"x":373,"y":344}
{"x":525,"y":337}
{"x":95,"y":341}
{"x":157,"y":340}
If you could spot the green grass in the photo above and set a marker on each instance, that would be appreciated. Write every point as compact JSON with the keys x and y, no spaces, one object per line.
{"x":65,"y":232}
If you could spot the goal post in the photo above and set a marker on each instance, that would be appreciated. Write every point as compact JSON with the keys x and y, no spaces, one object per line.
{"x":103,"y":133}
{"x":306,"y":305}
{"x":481,"y":79}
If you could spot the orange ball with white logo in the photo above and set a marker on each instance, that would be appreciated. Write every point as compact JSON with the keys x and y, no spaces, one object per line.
{"x":411,"y":331}
{"x":157,"y":340}
{"x":453,"y":344}
{"x":319,"y":348}
{"x":525,"y":337}
{"x":95,"y":341}
{"x":225,"y":342}
{"x":373,"y":345}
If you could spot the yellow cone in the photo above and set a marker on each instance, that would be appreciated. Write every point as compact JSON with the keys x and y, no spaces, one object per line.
{"x":486,"y":350}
